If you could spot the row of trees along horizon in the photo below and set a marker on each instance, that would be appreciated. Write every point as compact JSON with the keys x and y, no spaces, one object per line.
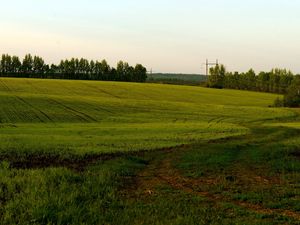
{"x":280,"y":81}
{"x":77,"y":69}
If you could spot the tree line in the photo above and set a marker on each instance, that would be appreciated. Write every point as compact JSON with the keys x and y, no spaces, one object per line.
{"x":275,"y":81}
{"x":77,"y":69}
{"x":280,"y":81}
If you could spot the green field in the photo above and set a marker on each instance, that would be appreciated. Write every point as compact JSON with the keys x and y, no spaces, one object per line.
{"x":85,"y":152}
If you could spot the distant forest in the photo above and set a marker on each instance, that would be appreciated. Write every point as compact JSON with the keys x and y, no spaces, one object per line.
{"x":76,"y":69}
{"x":280,"y":81}
{"x":178,"y":79}
{"x":275,"y":81}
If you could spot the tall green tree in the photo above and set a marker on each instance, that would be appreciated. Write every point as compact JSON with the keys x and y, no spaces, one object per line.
{"x":120,"y":71}
{"x":263,"y":81}
{"x":250,"y":80}
{"x":106,"y":71}
{"x":16,"y":65}
{"x":140,"y":73}
{"x":217,"y":76}
{"x":38,"y":66}
{"x":27,"y":65}
{"x":292,"y":97}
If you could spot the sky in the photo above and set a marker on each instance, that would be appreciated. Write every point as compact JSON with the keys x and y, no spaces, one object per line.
{"x":164,"y":35}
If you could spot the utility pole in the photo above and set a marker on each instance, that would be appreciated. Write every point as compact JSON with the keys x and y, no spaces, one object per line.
{"x":150,"y":72}
{"x":210,"y":64}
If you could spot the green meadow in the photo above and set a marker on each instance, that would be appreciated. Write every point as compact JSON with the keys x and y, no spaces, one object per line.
{"x":88,"y":152}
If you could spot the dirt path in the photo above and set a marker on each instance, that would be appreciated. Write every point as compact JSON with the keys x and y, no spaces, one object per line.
{"x":161,"y":172}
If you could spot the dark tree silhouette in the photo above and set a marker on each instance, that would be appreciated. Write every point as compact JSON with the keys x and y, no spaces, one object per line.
{"x":275,"y":81}
{"x":77,"y":69}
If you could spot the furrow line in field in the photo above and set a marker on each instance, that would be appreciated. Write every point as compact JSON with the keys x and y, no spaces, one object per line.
{"x":35,"y":108}
{"x":103,"y":91}
{"x":82,"y":115}
{"x":97,"y":107}
{"x":5,"y":85}
{"x":35,"y":87}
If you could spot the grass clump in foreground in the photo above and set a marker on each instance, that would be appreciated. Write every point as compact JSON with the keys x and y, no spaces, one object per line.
{"x":62,"y":196}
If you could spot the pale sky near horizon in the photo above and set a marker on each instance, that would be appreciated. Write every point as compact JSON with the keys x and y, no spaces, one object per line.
{"x":165,"y":35}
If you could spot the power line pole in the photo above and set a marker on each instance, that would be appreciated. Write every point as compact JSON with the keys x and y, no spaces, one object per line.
{"x":206,"y":67}
{"x":210,"y":64}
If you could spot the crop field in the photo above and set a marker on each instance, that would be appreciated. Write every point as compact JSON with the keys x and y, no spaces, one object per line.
{"x":86,"y":152}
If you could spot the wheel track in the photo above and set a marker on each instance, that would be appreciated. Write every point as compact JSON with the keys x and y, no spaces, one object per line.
{"x":177,"y":181}
{"x":20,"y":99}
{"x":35,"y":108}
{"x":163,"y":173}
{"x":85,"y":117}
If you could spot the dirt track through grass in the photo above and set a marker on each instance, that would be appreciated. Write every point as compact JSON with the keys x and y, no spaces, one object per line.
{"x":160,"y":172}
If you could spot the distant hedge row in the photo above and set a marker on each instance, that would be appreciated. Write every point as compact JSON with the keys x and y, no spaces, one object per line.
{"x":77,"y":69}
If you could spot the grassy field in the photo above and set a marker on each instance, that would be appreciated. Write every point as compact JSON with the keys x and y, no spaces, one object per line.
{"x":84,"y":152}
